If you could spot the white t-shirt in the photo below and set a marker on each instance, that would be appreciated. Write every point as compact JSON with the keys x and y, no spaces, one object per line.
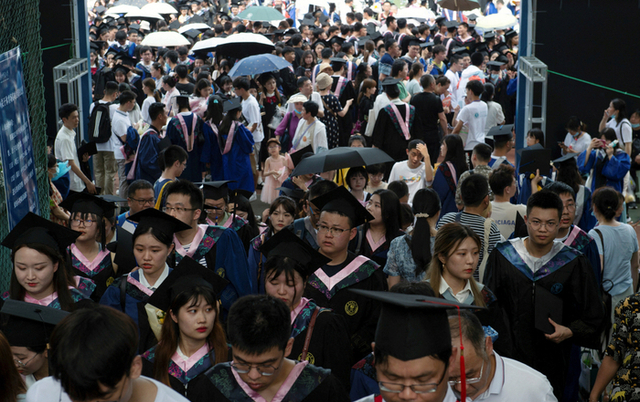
{"x":495,"y":115}
{"x":145,"y":109}
{"x":504,"y":215}
{"x":120,"y":123}
{"x":314,"y":135}
{"x":625,"y":127}
{"x":414,"y":178}
{"x":251,"y":113}
{"x":579,"y":145}
{"x":453,"y":87}
{"x":49,"y":390}
{"x":66,"y":150}
{"x":105,"y":146}
{"x":474,"y":115}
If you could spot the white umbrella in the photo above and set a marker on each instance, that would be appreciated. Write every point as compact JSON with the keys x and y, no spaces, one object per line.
{"x":163,"y":39}
{"x":160,"y":8}
{"x":123,"y":9}
{"x":200,"y":26}
{"x":413,"y":12}
{"x":207,"y":45}
{"x":143,"y":15}
{"x":496,"y":21}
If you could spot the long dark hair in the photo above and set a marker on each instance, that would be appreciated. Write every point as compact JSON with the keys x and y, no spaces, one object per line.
{"x":390,"y":213}
{"x":274,"y":266}
{"x":61,"y":278}
{"x":287,"y":203}
{"x":170,"y":332}
{"x":225,"y":126}
{"x":242,"y":204}
{"x":621,"y":107}
{"x":11,"y":384}
{"x":487,"y":95}
{"x":455,"y":153}
{"x":569,"y":174}
{"x":214,"y":110}
{"x":101,"y":234}
{"x":425,"y":202}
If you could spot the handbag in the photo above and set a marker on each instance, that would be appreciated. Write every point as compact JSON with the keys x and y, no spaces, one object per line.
{"x":606,"y":301}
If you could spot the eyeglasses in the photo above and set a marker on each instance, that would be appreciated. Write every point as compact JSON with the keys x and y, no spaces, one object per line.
{"x":24,"y":365}
{"x":426,"y":388}
{"x":538,"y":224}
{"x":570,"y":206}
{"x":86,"y":222}
{"x":474,"y":380}
{"x":177,"y":209}
{"x":336,"y":232}
{"x":150,"y":201}
{"x":243,"y":368}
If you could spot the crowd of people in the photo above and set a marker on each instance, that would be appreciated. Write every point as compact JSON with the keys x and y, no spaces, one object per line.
{"x":154,"y":279}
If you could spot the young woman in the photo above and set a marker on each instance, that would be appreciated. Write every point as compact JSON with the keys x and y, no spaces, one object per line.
{"x":495,"y":115}
{"x":57,"y":214}
{"x":332,"y":109}
{"x":376,"y":174}
{"x":225,"y":90}
{"x":617,"y":245}
{"x":157,"y":72}
{"x":185,"y":130}
{"x":39,"y":257}
{"x":448,"y":173}
{"x":415,"y":73}
{"x":606,"y":162}
{"x":357,"y":179}
{"x":366,"y":98}
{"x":282,"y":213}
{"x":287,"y":127}
{"x":577,"y":139}
{"x":535,"y":136}
{"x":149,"y":88}
{"x":201,"y":92}
{"x":192,"y":337}
{"x":89,"y":256}
{"x":321,"y":332}
{"x":307,"y":63}
{"x":615,"y":117}
{"x":152,"y":244}
{"x":12,"y":388}
{"x":409,"y":255}
{"x":374,"y":239}
{"x":170,"y":91}
{"x":567,"y":172}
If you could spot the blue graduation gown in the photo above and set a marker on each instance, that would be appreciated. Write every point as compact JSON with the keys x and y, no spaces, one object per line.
{"x":211,"y":152}
{"x":445,"y":187}
{"x":193,"y":171}
{"x":614,"y":169}
{"x":147,"y":163}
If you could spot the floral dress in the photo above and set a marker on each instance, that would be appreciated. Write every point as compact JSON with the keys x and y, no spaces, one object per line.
{"x":624,"y":349}
{"x":331,"y":109}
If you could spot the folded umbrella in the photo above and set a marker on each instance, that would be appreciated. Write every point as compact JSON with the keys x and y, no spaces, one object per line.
{"x":340,"y":158}
{"x":258,"y":64}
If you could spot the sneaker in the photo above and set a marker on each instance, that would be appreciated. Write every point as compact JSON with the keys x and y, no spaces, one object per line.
{"x":633,"y":205}
{"x":254,"y":197}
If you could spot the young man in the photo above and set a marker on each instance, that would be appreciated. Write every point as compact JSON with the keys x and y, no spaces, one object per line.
{"x":429,"y":114}
{"x":453,"y":74}
{"x":183,"y":85}
{"x":307,"y":228}
{"x":112,"y":372}
{"x":474,"y":115}
{"x":502,"y":145}
{"x":251,"y":113}
{"x":474,"y":192}
{"x":104,"y":163}
{"x":140,"y":197}
{"x":305,"y":87}
{"x":416,"y":173}
{"x":386,"y":61}
{"x":480,"y":158}
{"x":399,"y":71}
{"x":259,"y":331}
{"x":471,"y":72}
{"x":120,"y":124}
{"x":287,"y":74}
{"x":342,"y":87}
{"x":437,"y":65}
{"x":498,"y":378}
{"x":214,"y":247}
{"x":331,"y":285}
{"x":175,"y":161}
{"x":66,"y":151}
{"x":559,"y":278}
{"x":503,"y":185}
{"x":146,"y":161}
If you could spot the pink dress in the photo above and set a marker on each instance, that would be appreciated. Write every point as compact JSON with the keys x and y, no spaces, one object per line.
{"x":269,"y":190}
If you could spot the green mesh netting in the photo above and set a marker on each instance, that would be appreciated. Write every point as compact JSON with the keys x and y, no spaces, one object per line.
{"x":20,"y":26}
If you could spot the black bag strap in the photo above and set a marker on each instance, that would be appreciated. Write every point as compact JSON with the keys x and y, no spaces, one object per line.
{"x":123,"y":294}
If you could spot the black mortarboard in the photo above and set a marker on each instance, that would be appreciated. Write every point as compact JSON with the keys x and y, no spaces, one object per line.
{"x":337,"y":39}
{"x":184,"y":7}
{"x":426,"y":44}
{"x":112,"y":51}
{"x":472,"y":17}
{"x":27,"y":324}
{"x":500,"y":47}
{"x":440,"y":18}
{"x":308,"y":21}
{"x":112,"y":200}
{"x":363,"y":41}
{"x":100,"y":10}
{"x":390,"y":81}
{"x":375,"y":36}
{"x":135,"y":27}
{"x":215,"y":190}
{"x":338,"y":60}
{"x":500,"y":131}
{"x":119,"y":67}
{"x":92,"y":43}
{"x":175,"y":25}
{"x":316,"y":31}
{"x":164,"y":144}
{"x":294,"y":193}
{"x":87,"y":148}
{"x":126,"y":59}
{"x":185,"y":276}
{"x":535,"y":159}
{"x":158,"y":220}
{"x":451,"y":24}
{"x":433,"y":27}
{"x":104,"y":28}
{"x":196,"y":19}
{"x":482,"y":48}
{"x":231,"y":104}
{"x":460,"y":51}
{"x":239,"y":194}
{"x":286,"y":244}
{"x":412,"y":326}
{"x":494,"y":65}
{"x":33,"y":229}
{"x":510,"y":34}
{"x":314,"y":44}
{"x":342,"y":201}
{"x":86,"y":203}
{"x":192,"y":34}
{"x":564,"y":158}
{"x":502,"y":58}
{"x":297,"y":156}
{"x":415,"y":43}
{"x":489,"y":35}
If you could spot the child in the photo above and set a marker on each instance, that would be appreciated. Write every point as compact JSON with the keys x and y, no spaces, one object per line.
{"x":415,"y":172}
{"x":275,"y":171}
{"x":357,"y":179}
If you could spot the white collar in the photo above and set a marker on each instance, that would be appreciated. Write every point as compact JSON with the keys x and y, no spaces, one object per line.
{"x":163,"y":276}
{"x":461,"y":296}
{"x":398,"y":101}
{"x":532,"y":262}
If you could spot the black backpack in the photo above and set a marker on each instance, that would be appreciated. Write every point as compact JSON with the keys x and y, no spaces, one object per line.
{"x":100,"y":123}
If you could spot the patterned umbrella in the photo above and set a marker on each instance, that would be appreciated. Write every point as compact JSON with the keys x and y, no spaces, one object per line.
{"x":244,"y":45}
{"x":459,"y":5}
{"x":261,"y":13}
{"x":261,"y":63}
{"x":340,"y":158}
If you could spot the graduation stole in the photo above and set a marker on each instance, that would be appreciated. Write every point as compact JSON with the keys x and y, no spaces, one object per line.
{"x":189,"y":139}
{"x":339,"y":87}
{"x":90,"y":268}
{"x":358,"y":270}
{"x":404,"y":125}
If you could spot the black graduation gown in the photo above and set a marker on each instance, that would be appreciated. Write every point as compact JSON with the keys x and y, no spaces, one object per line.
{"x":288,"y":81}
{"x":102,"y":276}
{"x":361,"y":313}
{"x":313,"y":384}
{"x":345,"y":124}
{"x":387,"y":137}
{"x":360,"y":245}
{"x":569,"y":277}
{"x":329,"y":346}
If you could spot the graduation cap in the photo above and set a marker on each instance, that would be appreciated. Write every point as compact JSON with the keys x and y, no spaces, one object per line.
{"x":412,"y":326}
{"x":500,"y":47}
{"x":86,"y":203}
{"x":88,"y":148}
{"x":495,"y":65}
{"x":535,"y":159}
{"x":29,"y":325}
{"x":363,"y":41}
{"x":337,"y":60}
{"x":336,"y":39}
{"x":451,"y":24}
{"x":564,"y":158}
{"x":489,"y":35}
{"x":511,"y":33}
{"x":414,"y":42}
{"x":239,"y":195}
{"x":482,"y":48}
{"x":440,"y":19}
{"x":375,"y":36}
{"x":294,"y":193}
{"x":175,"y":25}
{"x":433,"y":27}
{"x":342,"y":201}
{"x":472,"y":17}
{"x":319,"y":41}
{"x":111,"y":51}
{"x":192,"y":34}
{"x":300,"y":154}
{"x":112,"y":200}
{"x":215,"y":190}
{"x":187,"y":275}
{"x":520,"y":229}
{"x":308,"y":21}
{"x":97,"y":45}
{"x":134,"y":27}
{"x":232,"y":104}
{"x":33,"y":229}
{"x":426,"y":44}
{"x":196,"y":19}
{"x":390,"y":82}
{"x":124,"y":69}
{"x":502,"y":132}
{"x":286,"y":244}
{"x":158,"y":220}
{"x":461,"y":51}
{"x":101,"y":10}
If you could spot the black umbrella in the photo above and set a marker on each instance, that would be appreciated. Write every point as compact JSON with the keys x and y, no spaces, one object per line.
{"x":340,"y":158}
{"x":244,"y":45}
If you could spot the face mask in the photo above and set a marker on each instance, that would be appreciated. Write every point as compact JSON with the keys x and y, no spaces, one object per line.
{"x":635,"y":125}
{"x":298,"y":113}
{"x":576,"y":135}
{"x":495,"y":76}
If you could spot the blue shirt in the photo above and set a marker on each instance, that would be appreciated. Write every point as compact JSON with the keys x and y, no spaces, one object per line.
{"x":620,"y":242}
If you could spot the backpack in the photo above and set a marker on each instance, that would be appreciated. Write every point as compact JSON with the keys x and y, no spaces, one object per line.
{"x":100,"y":123}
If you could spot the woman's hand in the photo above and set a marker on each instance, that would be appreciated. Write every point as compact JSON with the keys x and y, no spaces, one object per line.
{"x":609,"y":151}
{"x":594,"y":144}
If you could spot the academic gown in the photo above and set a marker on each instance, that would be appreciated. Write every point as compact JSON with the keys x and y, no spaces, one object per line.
{"x":147,"y":167}
{"x":255,"y":262}
{"x":569,"y":277}
{"x":361,"y":313}
{"x":388,"y":135}
{"x":175,"y":132}
{"x":100,"y":271}
{"x":312,"y":384}
{"x":240,"y":226}
{"x":303,"y":228}
{"x":179,"y":381}
{"x":329,"y":345}
{"x":345,"y":123}
{"x":445,"y":185}
{"x":360,"y":245}
{"x":233,"y":162}
{"x":79,"y":294}
{"x":230,"y":262}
